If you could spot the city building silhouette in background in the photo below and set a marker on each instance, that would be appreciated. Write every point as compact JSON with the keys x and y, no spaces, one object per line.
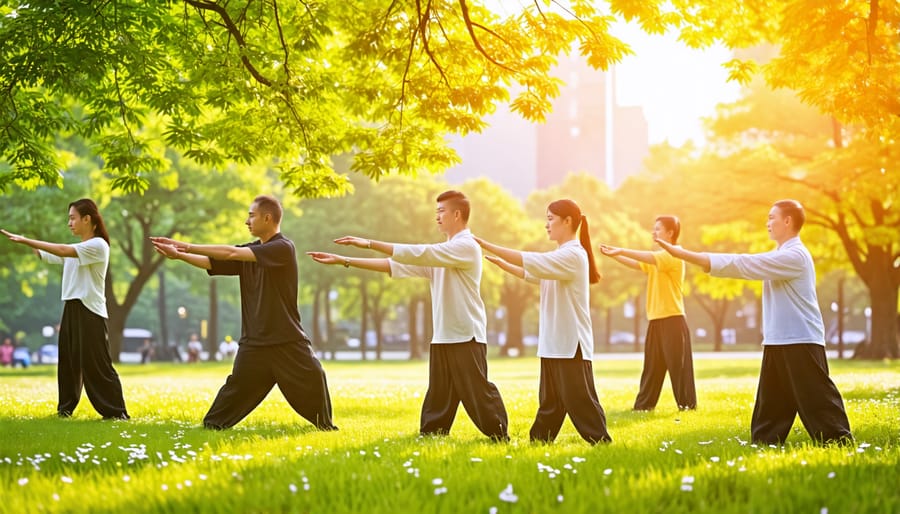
{"x":585,"y":132}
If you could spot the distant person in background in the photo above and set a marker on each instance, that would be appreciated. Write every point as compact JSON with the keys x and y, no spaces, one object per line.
{"x":194,"y":347}
{"x":6,"y":352}
{"x":84,"y":358}
{"x":668,"y":343}
{"x":794,"y":375}
{"x":228,"y":348}
{"x":146,"y":351}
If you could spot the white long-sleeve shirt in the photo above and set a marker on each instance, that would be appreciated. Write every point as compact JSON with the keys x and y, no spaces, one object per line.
{"x":565,"y":318}
{"x":84,"y":277}
{"x":454,"y":269}
{"x":790,"y":307}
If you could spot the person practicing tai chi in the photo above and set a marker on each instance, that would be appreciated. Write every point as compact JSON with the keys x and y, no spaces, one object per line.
{"x":668,"y":343}
{"x":84,"y":358}
{"x":457,"y":361}
{"x":273,"y":347}
{"x":794,"y":374}
{"x":565,"y":336}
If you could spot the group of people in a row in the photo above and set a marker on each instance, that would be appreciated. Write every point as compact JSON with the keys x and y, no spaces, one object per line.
{"x":274,"y":348}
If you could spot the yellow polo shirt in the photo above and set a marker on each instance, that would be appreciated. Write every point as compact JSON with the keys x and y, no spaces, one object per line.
{"x":665,"y":281}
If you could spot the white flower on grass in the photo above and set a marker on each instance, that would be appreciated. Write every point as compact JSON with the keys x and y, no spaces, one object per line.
{"x":607,"y":471}
{"x":23,"y":481}
{"x":202,"y":477}
{"x":687,"y":487}
{"x":559,"y":498}
{"x":492,"y":510}
{"x":55,"y":497}
{"x":508,"y":495}
{"x":475,"y":459}
{"x":126,"y":478}
{"x":578,"y":459}
{"x":679,"y":452}
{"x":292,"y":488}
{"x":704,"y":443}
{"x":165,"y":487}
{"x":306,"y":487}
{"x":440,"y":490}
{"x":714,"y":459}
{"x":823,"y":510}
{"x":437,"y":481}
{"x":66,"y":479}
{"x":687,"y":480}
{"x":831,"y":474}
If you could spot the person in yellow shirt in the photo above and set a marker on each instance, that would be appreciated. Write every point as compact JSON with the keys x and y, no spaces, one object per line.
{"x":668,"y":343}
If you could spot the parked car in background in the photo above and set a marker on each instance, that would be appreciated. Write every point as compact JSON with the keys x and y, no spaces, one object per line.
{"x":21,"y":357}
{"x":132,"y":340}
{"x":621,"y":337}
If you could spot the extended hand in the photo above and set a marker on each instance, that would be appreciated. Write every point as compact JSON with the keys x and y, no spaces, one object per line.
{"x":611,"y":251}
{"x":15,"y":238}
{"x":353,"y":241}
{"x":178,"y":245}
{"x":494,"y":259}
{"x":168,"y":250}
{"x":665,"y":245}
{"x":326,"y":258}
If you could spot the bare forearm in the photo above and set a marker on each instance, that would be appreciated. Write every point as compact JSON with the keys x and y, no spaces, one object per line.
{"x":59,"y":250}
{"x":512,"y":269}
{"x":696,"y":258}
{"x":509,"y":255}
{"x":220,"y":252}
{"x":382,"y":265}
{"x":381,"y":246}
{"x":200,"y":261}
{"x":631,"y":263}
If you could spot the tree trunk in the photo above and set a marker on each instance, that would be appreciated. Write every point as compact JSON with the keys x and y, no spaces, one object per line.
{"x":316,"y":329}
{"x":364,"y":317}
{"x":882,"y":342}
{"x":329,"y":326}
{"x":515,"y":312}
{"x":415,"y":352}
{"x":163,"y":311}
{"x":607,"y":340}
{"x":428,"y":332}
{"x":637,"y":323}
{"x":212,"y":329}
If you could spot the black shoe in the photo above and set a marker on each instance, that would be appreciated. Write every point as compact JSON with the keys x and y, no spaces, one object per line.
{"x":64,"y":414}
{"x":122,"y":416}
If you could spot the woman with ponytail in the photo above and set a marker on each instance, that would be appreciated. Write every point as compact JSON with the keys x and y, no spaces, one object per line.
{"x":84,"y":359}
{"x":565,"y":336}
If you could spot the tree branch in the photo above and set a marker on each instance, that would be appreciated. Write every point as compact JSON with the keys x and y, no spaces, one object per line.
{"x":235,"y":33}
{"x":470,"y":27}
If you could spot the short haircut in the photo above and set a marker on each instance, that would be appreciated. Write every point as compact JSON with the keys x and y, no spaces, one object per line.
{"x":457,"y":202}
{"x":671,"y":224}
{"x":792,"y":209}
{"x":269,"y":205}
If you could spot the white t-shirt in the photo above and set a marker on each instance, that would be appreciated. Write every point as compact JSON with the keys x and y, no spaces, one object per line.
{"x":454,"y":269}
{"x":84,"y":277}
{"x":565,"y":318}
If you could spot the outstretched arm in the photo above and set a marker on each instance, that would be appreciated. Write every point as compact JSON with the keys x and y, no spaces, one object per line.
{"x":60,"y":250}
{"x":378,"y":246}
{"x":218,"y":252}
{"x":382,"y":265}
{"x":172,"y":252}
{"x":697,"y":258}
{"x":509,"y":255}
{"x":624,"y":256}
{"x":512,"y":269}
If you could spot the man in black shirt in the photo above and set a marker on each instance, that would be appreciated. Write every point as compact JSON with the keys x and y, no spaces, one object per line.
{"x":273,"y":348}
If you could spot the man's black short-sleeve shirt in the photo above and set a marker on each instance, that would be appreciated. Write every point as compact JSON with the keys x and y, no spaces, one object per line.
{"x":269,"y":313}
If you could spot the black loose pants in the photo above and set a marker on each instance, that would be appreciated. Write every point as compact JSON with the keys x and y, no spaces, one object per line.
{"x":567,"y":387}
{"x":667,"y":348}
{"x":292,"y":366}
{"x":794,"y":380}
{"x":85,"y":363}
{"x":457,"y":373}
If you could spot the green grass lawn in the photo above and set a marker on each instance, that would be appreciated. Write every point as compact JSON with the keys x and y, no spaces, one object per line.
{"x":664,"y":461}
